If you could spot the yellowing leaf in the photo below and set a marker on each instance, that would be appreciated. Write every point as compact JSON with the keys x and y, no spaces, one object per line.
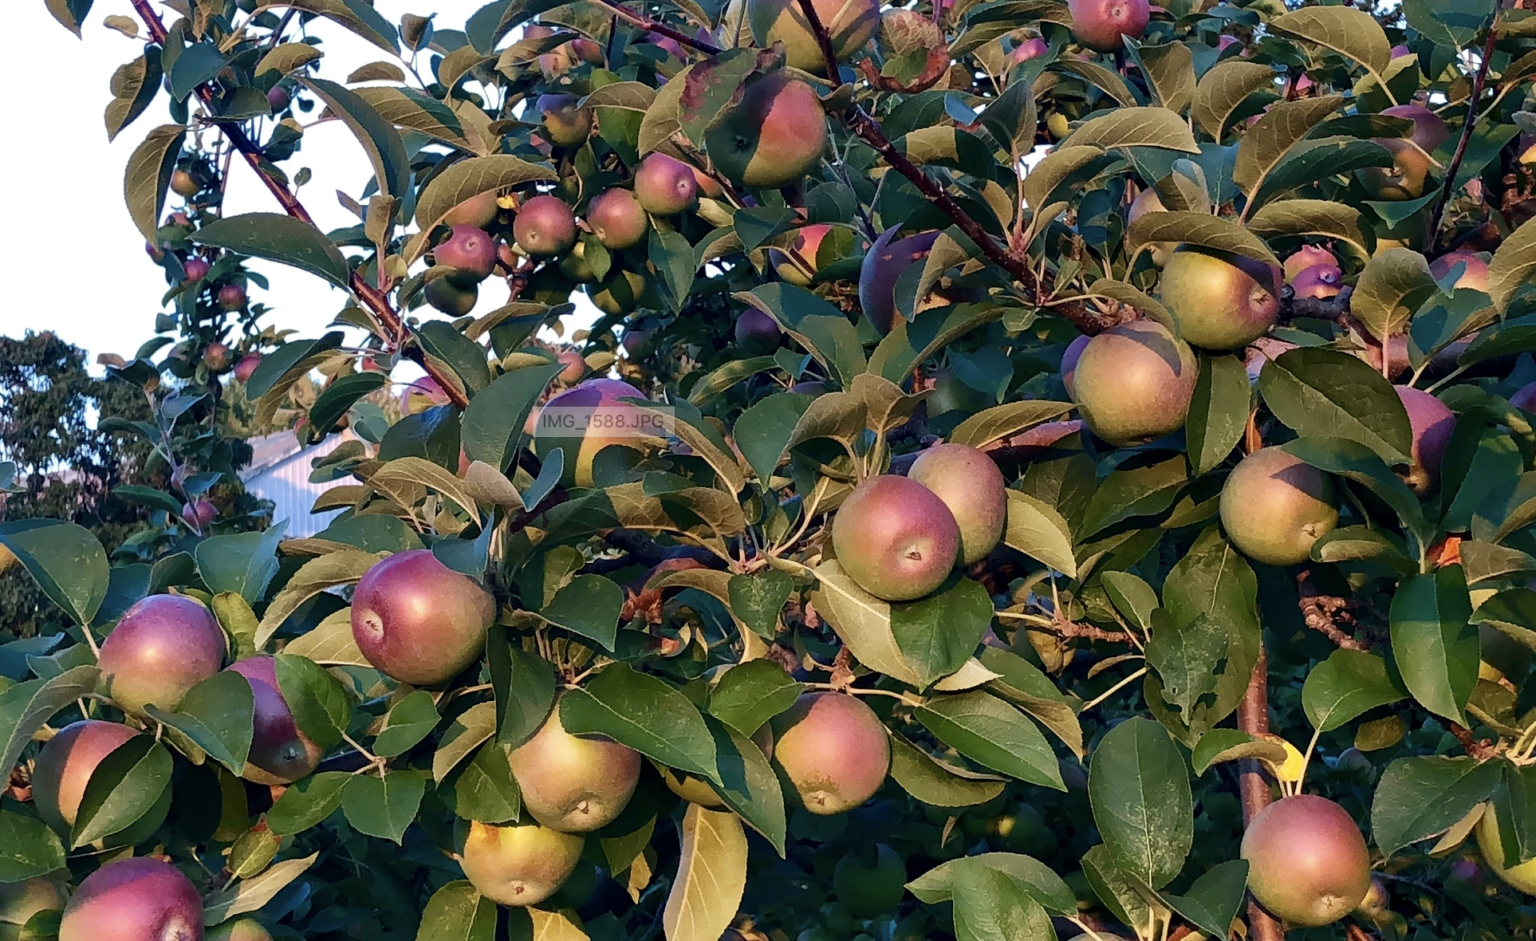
{"x":1137,"y":127}
{"x":711,"y":876}
{"x":1222,"y":89}
{"x":554,"y":926}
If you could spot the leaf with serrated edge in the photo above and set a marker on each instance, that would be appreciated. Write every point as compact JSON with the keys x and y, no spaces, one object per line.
{"x":711,"y":876}
{"x":1136,"y":127}
{"x":1036,"y":529}
{"x":1197,"y":228}
{"x":1352,"y":33}
{"x":1266,"y":143}
{"x":1513,"y":265}
{"x":1311,"y":217}
{"x":1394,"y":284}
{"x":1223,"y":89}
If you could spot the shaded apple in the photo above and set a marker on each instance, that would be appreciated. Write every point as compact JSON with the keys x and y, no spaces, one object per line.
{"x":19,"y":901}
{"x":665,"y":186}
{"x":1146,"y":202}
{"x":278,"y":98}
{"x":231,"y":297}
{"x":695,"y":789}
{"x":1308,"y":863}
{"x":1134,"y":382}
{"x":619,"y":294}
{"x":280,"y":753}
{"x":1521,"y":876}
{"x":1069,"y":358}
{"x":581,"y":449}
{"x":574,"y":264}
{"x":162,"y":647}
{"x":419,"y":621}
{"x":574,"y":784}
{"x":449,"y":298}
{"x":1100,"y":24}
{"x":895,"y":538}
{"x":544,"y":226}
{"x":518,"y":864}
{"x":969,"y":483}
{"x":566,"y":123}
{"x":833,"y":751}
{"x":1223,"y":300}
{"x":246,"y":366}
{"x":617,"y":219}
{"x":240,"y":929}
{"x":1274,"y":507}
{"x":196,"y":268}
{"x":870,"y":887}
{"x":139,"y":899}
{"x":184,"y":185}
{"x":1432,"y":423}
{"x":1396,"y":347}
{"x":199,"y":514}
{"x":575,"y":366}
{"x":774,"y":136}
{"x":1410,"y":158}
{"x":479,"y":211}
{"x":65,"y":764}
{"x":883,"y":264}
{"x":1305,"y":257}
{"x":757,"y":334}
{"x":470,"y":253}
{"x":1318,"y":282}
{"x":797,"y":264}
{"x":850,"y":24}
{"x":1525,"y":398}
{"x":422,"y":394}
{"x":1474,"y":270}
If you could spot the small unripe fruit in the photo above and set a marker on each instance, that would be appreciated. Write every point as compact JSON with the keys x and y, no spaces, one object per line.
{"x":617,"y":219}
{"x":196,"y":268}
{"x":833,"y":751}
{"x":1274,"y":507}
{"x":1223,"y":301}
{"x":470,"y":253}
{"x":216,"y":357}
{"x":1134,"y":382}
{"x":575,"y":367}
{"x":1474,"y":270}
{"x":278,"y":98}
{"x":895,"y":538}
{"x":1308,"y":863}
{"x":665,"y":186}
{"x":1432,"y":423}
{"x":850,"y":25}
{"x":565,"y":123}
{"x":757,"y":334}
{"x":800,"y":269}
{"x":1318,"y":282}
{"x":280,"y":753}
{"x":139,"y":899}
{"x":574,"y":784}
{"x":1100,"y":24}
{"x":199,"y":514}
{"x":417,"y":620}
{"x":241,"y":929}
{"x":519,"y":864}
{"x":870,"y":891}
{"x":969,"y":483}
{"x":448,"y":298}
{"x":246,"y":366}
{"x":231,"y":297}
{"x":64,"y":768}
{"x":1306,"y":257}
{"x":162,"y":647}
{"x":775,"y":136}
{"x":544,"y":226}
{"x":182,"y":184}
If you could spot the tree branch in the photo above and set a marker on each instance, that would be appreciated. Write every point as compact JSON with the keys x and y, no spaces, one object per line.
{"x":374,"y":299}
{"x":661,"y":29}
{"x":1322,"y":613}
{"x":1253,"y":718}
{"x":1449,"y":186}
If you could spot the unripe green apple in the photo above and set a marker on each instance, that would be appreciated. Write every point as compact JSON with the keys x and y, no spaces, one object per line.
{"x":619,"y":294}
{"x":969,"y":483}
{"x":419,"y":621}
{"x":518,"y":864}
{"x":895,"y":538}
{"x":162,"y":647}
{"x":571,"y":783}
{"x":1274,"y":507}
{"x":1134,"y":382}
{"x":873,"y":887}
{"x":1223,"y":301}
{"x":833,"y":751}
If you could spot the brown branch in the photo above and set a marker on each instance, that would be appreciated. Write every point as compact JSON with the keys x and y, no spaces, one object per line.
{"x":1069,"y":629}
{"x":1253,"y":718}
{"x":374,"y":299}
{"x":662,"y":29}
{"x":1449,"y":186}
{"x":1322,"y":613}
{"x":1480,"y":748}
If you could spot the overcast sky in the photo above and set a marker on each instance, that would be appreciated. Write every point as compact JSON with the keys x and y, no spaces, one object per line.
{"x":79,"y":266}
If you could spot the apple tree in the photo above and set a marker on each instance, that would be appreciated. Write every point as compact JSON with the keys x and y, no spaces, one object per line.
{"x":1036,"y":470}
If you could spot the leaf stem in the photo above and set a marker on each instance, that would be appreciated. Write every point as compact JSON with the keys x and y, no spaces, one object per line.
{"x":1113,"y":690}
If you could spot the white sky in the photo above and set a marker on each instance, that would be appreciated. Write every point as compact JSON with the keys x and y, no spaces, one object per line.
{"x":83,"y":272}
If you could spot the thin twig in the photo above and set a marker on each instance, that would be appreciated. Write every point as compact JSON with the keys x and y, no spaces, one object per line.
{"x":1449,"y":186}
{"x":661,"y":29}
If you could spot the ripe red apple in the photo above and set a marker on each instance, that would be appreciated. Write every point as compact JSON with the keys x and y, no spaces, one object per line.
{"x":1274,"y":507}
{"x":544,"y":226}
{"x":199,"y":514}
{"x":575,"y":367}
{"x":594,"y":394}
{"x":216,"y":357}
{"x":139,"y":899}
{"x":617,"y":219}
{"x":1028,"y":49}
{"x":801,"y":268}
{"x":196,"y":268}
{"x":417,"y":620}
{"x":278,"y":98}
{"x":280,"y":753}
{"x":775,"y":136}
{"x":231,"y":297}
{"x":883,"y":264}
{"x":163,"y":646}
{"x":1306,"y":257}
{"x":851,"y":24}
{"x":833,"y":750}
{"x":757,"y":334}
{"x":1134,"y":382}
{"x":665,"y":186}
{"x":1223,"y":301}
{"x":246,"y":366}
{"x":65,"y":764}
{"x":969,"y":483}
{"x":1318,"y":282}
{"x":1432,"y":423}
{"x":1474,"y":270}
{"x":1308,"y":863}
{"x":571,"y":783}
{"x":1100,"y":24}
{"x":470,"y":253}
{"x":895,"y":538}
{"x":518,"y":864}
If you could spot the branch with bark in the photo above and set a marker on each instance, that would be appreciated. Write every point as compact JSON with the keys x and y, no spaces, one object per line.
{"x":1253,"y":718}
{"x":1479,"y":80}
{"x":1323,"y":613}
{"x":375,"y":300}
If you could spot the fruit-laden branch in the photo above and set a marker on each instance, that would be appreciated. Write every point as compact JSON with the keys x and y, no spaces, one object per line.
{"x":374,"y":299}
{"x":1253,"y":718}
{"x":869,"y":130}
{"x":1475,"y":99}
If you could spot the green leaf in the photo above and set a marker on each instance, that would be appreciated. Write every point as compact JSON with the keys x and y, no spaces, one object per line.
{"x":589,"y":606}
{"x":1139,"y":787}
{"x":764,"y":430}
{"x":1264,"y":145}
{"x":380,"y":140}
{"x":862,"y":622}
{"x":1125,"y":898}
{"x":939,"y":783}
{"x":1223,"y":89}
{"x":306,"y":802}
{"x":1312,"y":217}
{"x":407,"y":723}
{"x":1214,"y":899}
{"x":249,"y":895}
{"x":340,"y":396}
{"x":134,"y":86}
{"x":280,"y":238}
{"x":124,"y":788}
{"x":1433,"y":644}
{"x":383,"y":806}
{"x":1136,"y":127}
{"x":216,"y":715}
{"x":1218,"y":412}
{"x":1136,"y":488}
{"x":757,"y":599}
{"x":822,"y":329}
{"x":711,"y":876}
{"x":322,"y":573}
{"x":1450,"y":23}
{"x":1131,"y":596}
{"x":993,"y":734}
{"x":749,"y":694}
{"x":286,"y":57}
{"x":1424,"y":796}
{"x":1220,"y":745}
{"x":356,"y":15}
{"x":65,"y":560}
{"x":644,"y":713}
{"x":990,"y":904}
{"x":1513,"y":265}
{"x":464,"y":356}
{"x":1360,"y":464}
{"x":244,"y":563}
{"x":1036,"y":529}
{"x":938,"y":633}
{"x":25,"y":707}
{"x":28,"y":848}
{"x":150,"y":497}
{"x":456,"y":912}
{"x":1197,"y":228}
{"x":1347,"y":685}
{"x":937,"y":885}
{"x":1023,"y":684}
{"x":496,"y":416}
{"x":1186,"y":657}
{"x":1326,"y":393}
{"x":1352,"y":33}
{"x":1394,"y":284}
{"x":319,"y":704}
{"x":524,"y":686}
{"x":484,"y":788}
{"x":288,"y":362}
{"x":464,"y":734}
{"x":470,"y":178}
{"x":748,"y":784}
{"x":70,"y":13}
